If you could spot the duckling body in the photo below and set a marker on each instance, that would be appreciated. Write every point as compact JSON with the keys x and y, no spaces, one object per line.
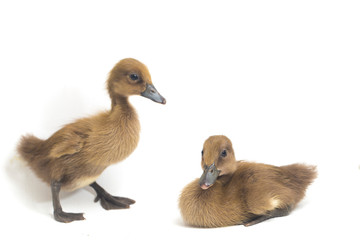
{"x":77,"y":154}
{"x":246,"y":193}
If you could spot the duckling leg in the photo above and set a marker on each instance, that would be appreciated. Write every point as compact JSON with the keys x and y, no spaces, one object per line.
{"x":277,"y":212}
{"x":59,"y":215}
{"x":108,"y":201}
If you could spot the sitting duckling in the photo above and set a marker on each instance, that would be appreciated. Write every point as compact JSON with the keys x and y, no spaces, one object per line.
{"x":231,"y":192}
{"x":77,"y":154}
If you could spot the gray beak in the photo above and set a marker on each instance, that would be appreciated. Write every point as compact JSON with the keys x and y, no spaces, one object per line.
{"x":209,"y":176}
{"x":151,"y":93}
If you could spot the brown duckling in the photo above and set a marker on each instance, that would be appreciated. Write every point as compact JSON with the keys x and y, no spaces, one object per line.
{"x":77,"y":154}
{"x":231,"y":192}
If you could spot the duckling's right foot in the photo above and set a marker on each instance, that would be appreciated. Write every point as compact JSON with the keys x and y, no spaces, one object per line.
{"x":65,"y":217}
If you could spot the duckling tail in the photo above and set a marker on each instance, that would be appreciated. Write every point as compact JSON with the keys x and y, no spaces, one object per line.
{"x":30,"y":148}
{"x":301,"y":174}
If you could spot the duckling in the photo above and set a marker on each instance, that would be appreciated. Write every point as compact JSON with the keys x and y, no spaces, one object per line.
{"x":231,"y":192}
{"x":77,"y":154}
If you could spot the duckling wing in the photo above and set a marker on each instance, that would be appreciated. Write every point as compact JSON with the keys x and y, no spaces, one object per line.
{"x":68,"y":141}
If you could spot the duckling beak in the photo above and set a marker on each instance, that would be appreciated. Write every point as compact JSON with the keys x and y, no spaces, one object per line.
{"x":209,"y":176}
{"x":151,"y":93}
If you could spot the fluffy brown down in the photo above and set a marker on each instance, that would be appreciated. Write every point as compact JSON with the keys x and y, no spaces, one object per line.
{"x":245,"y":191}
{"x":79,"y":152}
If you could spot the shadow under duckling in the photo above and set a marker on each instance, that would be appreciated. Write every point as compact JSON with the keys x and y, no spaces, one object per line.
{"x":77,"y":154}
{"x":231,"y":192}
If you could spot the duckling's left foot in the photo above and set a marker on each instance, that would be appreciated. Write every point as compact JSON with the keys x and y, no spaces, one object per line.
{"x":108,"y":201}
{"x":59,"y":214}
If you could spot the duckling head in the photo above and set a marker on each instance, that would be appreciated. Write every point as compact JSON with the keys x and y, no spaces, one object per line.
{"x":131,"y":77}
{"x":217,"y":159}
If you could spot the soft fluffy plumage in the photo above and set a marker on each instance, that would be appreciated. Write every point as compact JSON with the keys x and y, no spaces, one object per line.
{"x":77,"y":154}
{"x":243,"y":192}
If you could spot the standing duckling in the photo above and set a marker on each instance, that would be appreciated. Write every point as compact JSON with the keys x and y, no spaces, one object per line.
{"x":231,"y":192}
{"x":77,"y":154}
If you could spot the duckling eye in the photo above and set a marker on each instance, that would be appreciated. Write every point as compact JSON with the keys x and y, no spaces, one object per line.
{"x":202,"y":152}
{"x":223,"y":153}
{"x":134,"y":77}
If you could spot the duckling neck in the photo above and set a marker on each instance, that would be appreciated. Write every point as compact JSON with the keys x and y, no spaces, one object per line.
{"x":124,"y":127}
{"x":121,"y":102}
{"x":123,"y":113}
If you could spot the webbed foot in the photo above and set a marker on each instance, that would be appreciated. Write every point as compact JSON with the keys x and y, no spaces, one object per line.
{"x":108,"y":201}
{"x":277,"y":212}
{"x":65,"y":217}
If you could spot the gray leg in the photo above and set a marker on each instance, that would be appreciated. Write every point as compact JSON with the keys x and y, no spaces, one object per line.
{"x":59,"y":215}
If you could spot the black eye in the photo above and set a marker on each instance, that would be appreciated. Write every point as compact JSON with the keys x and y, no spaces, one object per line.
{"x":134,"y":76}
{"x":202,"y":152}
{"x":223,"y":153}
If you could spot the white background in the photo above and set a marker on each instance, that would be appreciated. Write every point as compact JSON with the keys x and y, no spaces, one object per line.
{"x":279,"y":78}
